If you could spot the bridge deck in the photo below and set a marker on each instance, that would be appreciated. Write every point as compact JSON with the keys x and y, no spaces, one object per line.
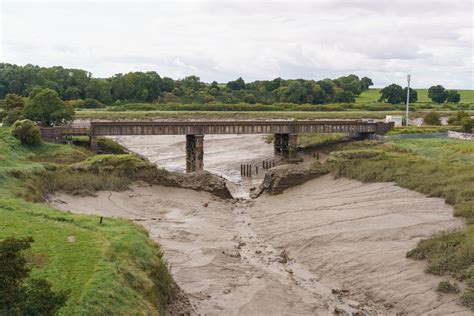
{"x":235,"y":127}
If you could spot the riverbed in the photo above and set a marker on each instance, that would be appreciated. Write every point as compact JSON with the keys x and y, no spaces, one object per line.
{"x":329,"y":245}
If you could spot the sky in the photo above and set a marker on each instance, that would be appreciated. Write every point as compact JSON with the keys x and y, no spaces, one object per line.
{"x":382,"y":39}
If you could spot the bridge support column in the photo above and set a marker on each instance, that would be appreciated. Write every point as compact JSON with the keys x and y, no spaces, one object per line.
{"x":286,"y":145}
{"x":93,"y":144}
{"x":194,"y":153}
{"x":277,"y":149}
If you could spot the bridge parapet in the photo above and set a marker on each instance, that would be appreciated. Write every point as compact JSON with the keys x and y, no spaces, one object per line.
{"x":236,"y":127}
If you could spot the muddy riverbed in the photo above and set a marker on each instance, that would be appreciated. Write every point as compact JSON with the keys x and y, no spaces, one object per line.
{"x":323,"y":247}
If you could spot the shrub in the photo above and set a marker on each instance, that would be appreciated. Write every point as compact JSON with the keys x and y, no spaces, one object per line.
{"x":432,"y":118}
{"x":467,"y":124}
{"x":467,"y":299}
{"x":88,"y":103}
{"x":447,"y":287}
{"x":20,"y":295}
{"x":27,"y":132}
{"x":11,"y":117}
{"x":456,"y":118}
{"x":108,"y":146}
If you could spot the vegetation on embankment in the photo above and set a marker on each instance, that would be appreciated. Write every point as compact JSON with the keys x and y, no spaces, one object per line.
{"x":422,"y":130}
{"x":435,"y":167}
{"x":111,"y":268}
{"x":233,"y":115}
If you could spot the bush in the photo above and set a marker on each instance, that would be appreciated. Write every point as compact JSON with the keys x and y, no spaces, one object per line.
{"x":456,"y":118}
{"x":27,"y":132}
{"x":20,"y":295}
{"x":108,"y":146}
{"x":12,"y":117}
{"x":467,"y":124}
{"x":432,"y":118}
{"x":447,"y":287}
{"x":467,"y":299}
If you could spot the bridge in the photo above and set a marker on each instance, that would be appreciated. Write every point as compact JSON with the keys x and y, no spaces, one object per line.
{"x":285,"y":132}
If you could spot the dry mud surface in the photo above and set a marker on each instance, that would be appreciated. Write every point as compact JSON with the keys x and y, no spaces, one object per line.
{"x":323,"y":246}
{"x":327,"y":246}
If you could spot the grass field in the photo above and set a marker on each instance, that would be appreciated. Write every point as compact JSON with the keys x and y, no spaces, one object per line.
{"x":373,"y":95}
{"x":111,"y":268}
{"x":436,"y":167}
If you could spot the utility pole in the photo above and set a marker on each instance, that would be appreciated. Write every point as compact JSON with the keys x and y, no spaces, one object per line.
{"x":408,"y":100}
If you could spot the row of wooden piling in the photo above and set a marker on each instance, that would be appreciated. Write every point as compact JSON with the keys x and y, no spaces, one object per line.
{"x":247,"y":169}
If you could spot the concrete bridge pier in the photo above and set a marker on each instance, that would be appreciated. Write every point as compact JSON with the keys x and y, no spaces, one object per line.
{"x":286,"y":145}
{"x":194,"y":153}
{"x":93,"y":144}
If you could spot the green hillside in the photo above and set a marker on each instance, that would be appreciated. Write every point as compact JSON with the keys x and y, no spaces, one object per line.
{"x":372,"y":96}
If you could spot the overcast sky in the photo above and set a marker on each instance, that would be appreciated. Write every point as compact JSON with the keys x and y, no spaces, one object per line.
{"x":385,"y":40}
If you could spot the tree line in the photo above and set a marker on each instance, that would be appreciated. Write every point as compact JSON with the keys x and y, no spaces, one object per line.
{"x":73,"y":84}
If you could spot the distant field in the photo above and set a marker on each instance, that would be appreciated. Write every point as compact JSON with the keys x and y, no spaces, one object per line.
{"x":372,"y":96}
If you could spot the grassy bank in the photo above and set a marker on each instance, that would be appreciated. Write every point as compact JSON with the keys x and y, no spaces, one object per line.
{"x":100,"y":114}
{"x":436,"y":167}
{"x":111,"y":268}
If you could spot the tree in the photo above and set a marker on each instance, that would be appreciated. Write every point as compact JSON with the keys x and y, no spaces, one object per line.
{"x":432,"y":118}
{"x":365,"y":83}
{"x":453,"y":96}
{"x":27,"y":132}
{"x":413,"y":95}
{"x":99,"y":89}
{"x":20,"y":295}
{"x":238,"y":84}
{"x":437,"y":94}
{"x":46,"y":107}
{"x":350,"y":83}
{"x":12,"y":107}
{"x":392,"y":94}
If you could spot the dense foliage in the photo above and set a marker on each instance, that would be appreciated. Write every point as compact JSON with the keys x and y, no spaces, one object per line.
{"x":45,"y":106}
{"x":20,"y":295}
{"x":27,"y":132}
{"x":395,"y":94}
{"x":432,"y":118}
{"x":72,"y":84}
{"x":12,"y":107}
{"x":440,"y":95}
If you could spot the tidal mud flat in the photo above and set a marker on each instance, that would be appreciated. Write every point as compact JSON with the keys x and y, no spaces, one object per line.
{"x":323,"y":247}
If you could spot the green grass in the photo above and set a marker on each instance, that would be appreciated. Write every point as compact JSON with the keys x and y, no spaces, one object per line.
{"x":373,"y":95}
{"x":436,"y":167}
{"x":112,"y":268}
{"x":313,"y":141}
{"x":421,"y":130}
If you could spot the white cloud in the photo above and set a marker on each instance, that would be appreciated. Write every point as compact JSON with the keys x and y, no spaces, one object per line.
{"x":256,"y":40}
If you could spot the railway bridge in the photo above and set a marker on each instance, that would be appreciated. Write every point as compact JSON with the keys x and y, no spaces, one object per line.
{"x":285,"y":132}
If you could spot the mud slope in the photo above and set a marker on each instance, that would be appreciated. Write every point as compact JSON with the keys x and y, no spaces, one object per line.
{"x":323,"y":246}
